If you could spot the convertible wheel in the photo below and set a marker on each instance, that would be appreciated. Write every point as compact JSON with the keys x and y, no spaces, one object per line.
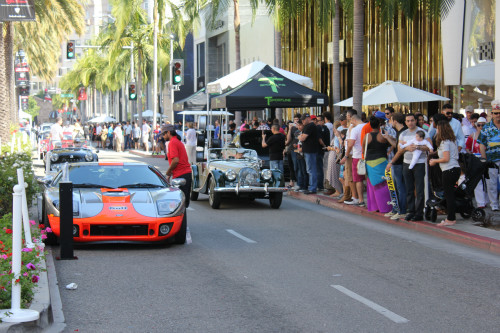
{"x":180,"y":237}
{"x":51,"y":237}
{"x":214,"y":199}
{"x":275,"y":199}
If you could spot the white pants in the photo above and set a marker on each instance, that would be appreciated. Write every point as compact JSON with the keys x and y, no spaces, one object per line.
{"x":191,"y":153}
{"x":481,"y":195}
{"x":492,"y":185}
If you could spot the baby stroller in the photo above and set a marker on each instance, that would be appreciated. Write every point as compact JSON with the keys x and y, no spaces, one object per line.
{"x":474,"y":170}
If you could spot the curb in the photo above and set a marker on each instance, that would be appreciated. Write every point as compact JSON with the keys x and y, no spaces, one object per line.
{"x":466,"y":238}
{"x":144,"y":154}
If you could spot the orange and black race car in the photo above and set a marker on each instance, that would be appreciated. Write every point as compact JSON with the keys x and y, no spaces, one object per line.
{"x":117,"y":202}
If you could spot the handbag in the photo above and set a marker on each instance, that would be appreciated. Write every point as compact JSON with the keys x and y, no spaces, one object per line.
{"x":361,"y":167}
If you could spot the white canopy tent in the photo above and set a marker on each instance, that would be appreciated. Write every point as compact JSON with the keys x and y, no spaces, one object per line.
{"x":208,"y":113}
{"x":481,"y":74}
{"x":102,"y":119}
{"x":394,"y":92}
{"x":149,"y":114}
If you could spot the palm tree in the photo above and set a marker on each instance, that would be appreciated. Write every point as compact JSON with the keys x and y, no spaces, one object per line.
{"x":358,"y":42}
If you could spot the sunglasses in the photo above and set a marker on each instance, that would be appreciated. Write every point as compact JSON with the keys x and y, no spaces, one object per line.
{"x":495,"y":113}
{"x":479,"y":125}
{"x":449,"y":113}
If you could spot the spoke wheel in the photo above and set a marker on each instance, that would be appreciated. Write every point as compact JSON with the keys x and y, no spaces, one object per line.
{"x":214,"y":199}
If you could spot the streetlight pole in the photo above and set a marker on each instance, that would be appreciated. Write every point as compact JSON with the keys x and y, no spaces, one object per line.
{"x":155,"y":63}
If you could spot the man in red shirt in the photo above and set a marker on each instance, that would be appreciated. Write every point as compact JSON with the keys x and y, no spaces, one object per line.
{"x":179,"y":166}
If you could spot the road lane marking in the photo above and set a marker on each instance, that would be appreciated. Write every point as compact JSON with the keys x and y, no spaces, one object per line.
{"x":189,"y":208}
{"x":380,"y":309}
{"x":240,"y":236}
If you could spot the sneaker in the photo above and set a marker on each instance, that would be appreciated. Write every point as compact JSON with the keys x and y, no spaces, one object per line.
{"x":494,"y":208}
{"x":397,"y":216}
{"x":409,"y":216}
{"x":361,"y":204}
{"x":296,"y":188}
{"x":390,"y":214}
{"x":353,"y":201}
{"x":309,"y":192}
{"x":301,"y":190}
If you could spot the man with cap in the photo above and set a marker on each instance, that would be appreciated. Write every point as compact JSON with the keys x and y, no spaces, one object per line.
{"x":473,"y":147}
{"x":179,"y":166}
{"x":467,"y":125}
{"x":489,"y":141}
{"x":310,"y":148}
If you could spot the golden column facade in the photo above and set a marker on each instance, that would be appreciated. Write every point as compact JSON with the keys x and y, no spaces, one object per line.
{"x":408,"y":51}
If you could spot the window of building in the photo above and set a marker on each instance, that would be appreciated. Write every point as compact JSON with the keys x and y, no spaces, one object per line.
{"x":200,"y":58}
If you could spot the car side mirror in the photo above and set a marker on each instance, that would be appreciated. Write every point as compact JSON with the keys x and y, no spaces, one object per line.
{"x":177,"y":182}
{"x":44,"y":180}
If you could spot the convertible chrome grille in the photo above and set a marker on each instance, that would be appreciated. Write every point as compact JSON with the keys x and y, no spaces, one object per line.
{"x":68,"y":159}
{"x":118,"y":230}
{"x":249,"y":177}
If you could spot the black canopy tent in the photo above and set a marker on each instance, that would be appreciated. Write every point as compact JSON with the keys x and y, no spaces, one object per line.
{"x":195,"y":102}
{"x":268,"y":89}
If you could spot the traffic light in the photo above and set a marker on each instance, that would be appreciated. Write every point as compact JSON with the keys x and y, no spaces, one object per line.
{"x":132,"y":92}
{"x":70,"y":49}
{"x":178,"y":72}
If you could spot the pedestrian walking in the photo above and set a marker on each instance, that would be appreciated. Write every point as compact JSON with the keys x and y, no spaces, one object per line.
{"x":191,"y":142}
{"x":179,"y":166}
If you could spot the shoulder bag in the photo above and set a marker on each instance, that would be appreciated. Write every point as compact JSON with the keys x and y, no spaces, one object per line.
{"x":361,"y":167}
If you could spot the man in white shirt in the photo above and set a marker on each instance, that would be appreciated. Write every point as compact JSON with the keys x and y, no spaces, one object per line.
{"x":98,"y":131}
{"x":56,"y":131}
{"x":118,"y":134}
{"x":128,"y":135}
{"x":145,"y":135}
{"x":191,"y":143}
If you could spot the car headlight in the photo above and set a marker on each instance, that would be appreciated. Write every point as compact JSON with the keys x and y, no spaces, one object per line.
{"x":231,"y":175}
{"x":89,"y":157}
{"x":76,"y":206}
{"x":266,"y":174}
{"x":167,"y":207}
{"x":54,"y":157}
{"x":56,"y":167}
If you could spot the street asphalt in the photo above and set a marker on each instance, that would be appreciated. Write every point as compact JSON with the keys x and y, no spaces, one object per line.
{"x":302,"y":268}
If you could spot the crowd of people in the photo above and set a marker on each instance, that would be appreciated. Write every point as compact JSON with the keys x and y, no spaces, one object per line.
{"x":351,"y":162}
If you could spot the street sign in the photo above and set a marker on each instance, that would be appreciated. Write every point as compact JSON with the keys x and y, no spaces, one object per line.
{"x":67,"y":95}
{"x":17,"y":10}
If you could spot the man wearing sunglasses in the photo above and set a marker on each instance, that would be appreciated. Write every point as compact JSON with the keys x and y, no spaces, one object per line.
{"x":489,"y":141}
{"x":455,"y":125}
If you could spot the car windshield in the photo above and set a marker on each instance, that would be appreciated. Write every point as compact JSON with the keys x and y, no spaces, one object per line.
{"x":67,"y":136}
{"x":114,"y":176}
{"x":231,"y":154}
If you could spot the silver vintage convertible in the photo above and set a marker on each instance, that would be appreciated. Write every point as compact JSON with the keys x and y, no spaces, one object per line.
{"x":236,"y":172}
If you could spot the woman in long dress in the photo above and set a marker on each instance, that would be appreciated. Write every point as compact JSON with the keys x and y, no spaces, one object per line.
{"x":333,"y":167}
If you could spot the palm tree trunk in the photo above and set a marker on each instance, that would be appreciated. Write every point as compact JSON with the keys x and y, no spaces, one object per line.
{"x":336,"y":64}
{"x":358,"y":54}
{"x":9,"y":66}
{"x":277,"y":63}
{"x":4,"y":107}
{"x":139,"y":90}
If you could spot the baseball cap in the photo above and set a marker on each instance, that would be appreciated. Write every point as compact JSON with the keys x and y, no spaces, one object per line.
{"x":469,"y":108}
{"x":381,"y":115}
{"x":304,"y":116}
{"x":313,"y":117}
{"x":167,"y":128}
{"x":481,"y":120}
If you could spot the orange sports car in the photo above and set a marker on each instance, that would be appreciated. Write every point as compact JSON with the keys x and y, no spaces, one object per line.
{"x":117,"y":202}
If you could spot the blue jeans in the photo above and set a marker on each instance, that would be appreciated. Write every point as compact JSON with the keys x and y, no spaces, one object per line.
{"x":319,"y":169}
{"x":415,"y":184}
{"x":127,"y":141}
{"x":299,"y":166}
{"x":278,"y":164}
{"x":397,"y":176}
{"x":311,"y":167}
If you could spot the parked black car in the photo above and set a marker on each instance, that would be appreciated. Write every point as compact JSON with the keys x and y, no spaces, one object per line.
{"x":59,"y":156}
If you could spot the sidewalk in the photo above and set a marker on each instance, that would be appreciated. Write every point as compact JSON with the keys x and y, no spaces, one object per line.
{"x":463,"y":232}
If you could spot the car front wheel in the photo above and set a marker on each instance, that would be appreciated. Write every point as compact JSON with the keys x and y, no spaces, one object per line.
{"x":51,"y":237}
{"x":214,"y":198}
{"x":275,"y":199}
{"x":180,"y":237}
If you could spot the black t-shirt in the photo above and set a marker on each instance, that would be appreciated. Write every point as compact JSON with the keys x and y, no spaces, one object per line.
{"x":311,"y":145}
{"x":324,"y":134}
{"x":276,"y":144}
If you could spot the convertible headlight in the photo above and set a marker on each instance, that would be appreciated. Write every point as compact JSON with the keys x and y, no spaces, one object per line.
{"x":76,"y":207}
{"x":54,"y":157}
{"x":167,"y":207}
{"x":89,"y":157}
{"x":231,"y":175}
{"x":266,"y":174}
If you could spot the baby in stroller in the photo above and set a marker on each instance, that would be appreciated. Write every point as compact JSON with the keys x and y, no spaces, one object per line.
{"x":473,"y":170}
